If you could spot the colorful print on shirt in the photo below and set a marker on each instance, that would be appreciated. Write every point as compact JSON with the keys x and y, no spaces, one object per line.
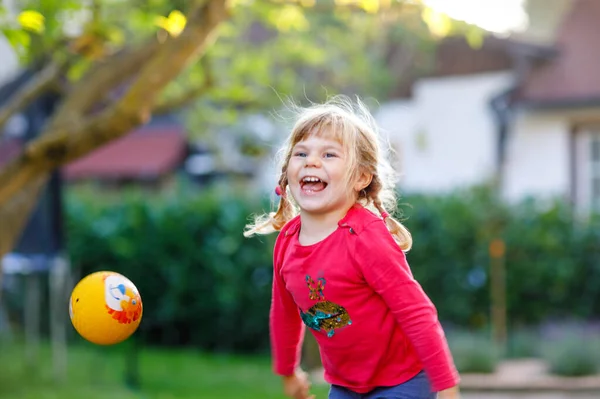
{"x":324,"y":315}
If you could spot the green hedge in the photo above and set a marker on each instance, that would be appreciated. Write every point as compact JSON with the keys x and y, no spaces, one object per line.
{"x":552,"y":257}
{"x":204,"y":284}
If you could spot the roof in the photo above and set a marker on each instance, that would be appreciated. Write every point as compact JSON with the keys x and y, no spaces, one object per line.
{"x":146,"y":153}
{"x":454,"y":56}
{"x":572,"y":78}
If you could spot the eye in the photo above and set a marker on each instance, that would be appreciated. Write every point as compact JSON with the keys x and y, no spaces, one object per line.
{"x":134,"y":302}
{"x":330,"y":155}
{"x":300,"y":154}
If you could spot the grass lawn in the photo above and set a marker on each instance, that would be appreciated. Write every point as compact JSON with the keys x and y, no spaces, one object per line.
{"x":96,"y":372}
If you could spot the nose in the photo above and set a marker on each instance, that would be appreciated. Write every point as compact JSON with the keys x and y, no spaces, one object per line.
{"x":312,"y":160}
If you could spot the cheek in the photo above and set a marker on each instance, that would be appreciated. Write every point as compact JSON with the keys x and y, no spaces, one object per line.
{"x":343,"y":176}
{"x":291,"y":172}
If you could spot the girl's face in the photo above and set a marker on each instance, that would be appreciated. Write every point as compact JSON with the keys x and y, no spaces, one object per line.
{"x":316,"y":176}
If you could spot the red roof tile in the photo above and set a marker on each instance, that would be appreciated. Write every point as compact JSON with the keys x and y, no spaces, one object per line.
{"x":573,"y":75}
{"x":146,"y":153}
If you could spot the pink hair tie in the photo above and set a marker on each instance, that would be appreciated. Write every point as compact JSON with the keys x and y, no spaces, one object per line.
{"x":384,"y":215}
{"x":278,"y":191}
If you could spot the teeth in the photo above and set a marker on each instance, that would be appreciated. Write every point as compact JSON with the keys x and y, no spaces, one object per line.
{"x":311,"y":179}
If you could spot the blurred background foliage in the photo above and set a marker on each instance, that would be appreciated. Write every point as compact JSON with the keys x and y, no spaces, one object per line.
{"x":207,"y":286}
{"x":267,"y":51}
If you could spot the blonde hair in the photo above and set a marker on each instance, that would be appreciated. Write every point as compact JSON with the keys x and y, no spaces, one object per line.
{"x":354,"y":127}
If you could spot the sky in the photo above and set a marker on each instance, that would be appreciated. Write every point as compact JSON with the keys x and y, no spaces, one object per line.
{"x":498,"y":16}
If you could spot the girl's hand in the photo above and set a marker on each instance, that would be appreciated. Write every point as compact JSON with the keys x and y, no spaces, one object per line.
{"x":297,"y":386}
{"x":450,"y":393}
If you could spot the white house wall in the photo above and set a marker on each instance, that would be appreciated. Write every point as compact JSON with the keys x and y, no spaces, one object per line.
{"x":445,"y":135}
{"x":9,"y":65}
{"x":445,"y":138}
{"x":538,"y":155}
{"x":398,"y":123}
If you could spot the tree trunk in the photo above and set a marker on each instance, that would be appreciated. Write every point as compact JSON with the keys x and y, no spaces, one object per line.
{"x":15,"y":212}
{"x":73,"y":132}
{"x":47,"y":77}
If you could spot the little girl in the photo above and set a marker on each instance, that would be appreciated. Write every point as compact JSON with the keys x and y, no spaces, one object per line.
{"x":340,"y":268}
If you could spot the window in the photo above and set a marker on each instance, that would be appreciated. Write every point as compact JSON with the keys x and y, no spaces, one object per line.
{"x":587,"y":169}
{"x":595,"y":172}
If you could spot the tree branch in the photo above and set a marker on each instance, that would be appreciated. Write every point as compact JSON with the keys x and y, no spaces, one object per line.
{"x":184,"y":99}
{"x":176,"y":53}
{"x":100,"y":80}
{"x":111,"y":72}
{"x":189,"y":95}
{"x":63,"y":143}
{"x":44,"y":80}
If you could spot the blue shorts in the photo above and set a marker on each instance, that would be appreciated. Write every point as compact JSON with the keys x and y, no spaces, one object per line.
{"x":417,"y":387}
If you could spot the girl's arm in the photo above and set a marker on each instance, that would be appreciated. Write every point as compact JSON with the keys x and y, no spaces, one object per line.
{"x":450,"y":393}
{"x":286,"y":327}
{"x":385,"y":269}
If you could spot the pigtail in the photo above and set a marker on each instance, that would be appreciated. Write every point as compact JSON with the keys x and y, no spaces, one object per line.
{"x":273,"y":221}
{"x":377,"y":194}
{"x":285,"y":211}
{"x":400,"y":233}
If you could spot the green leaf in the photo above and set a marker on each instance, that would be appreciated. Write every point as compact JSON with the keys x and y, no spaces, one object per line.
{"x":439,"y":23}
{"x":32,"y":21}
{"x":474,"y":37}
{"x":115,"y":35}
{"x":173,"y":24}
{"x":78,"y":69}
{"x":18,"y":39}
{"x":287,"y":18}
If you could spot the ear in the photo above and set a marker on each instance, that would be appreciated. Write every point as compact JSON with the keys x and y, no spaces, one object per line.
{"x":363,"y":181}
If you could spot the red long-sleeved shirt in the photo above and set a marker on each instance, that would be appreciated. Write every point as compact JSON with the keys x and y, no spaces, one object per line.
{"x":374,"y":324}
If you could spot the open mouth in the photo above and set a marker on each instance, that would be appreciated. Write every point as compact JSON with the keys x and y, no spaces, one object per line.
{"x":312,"y":184}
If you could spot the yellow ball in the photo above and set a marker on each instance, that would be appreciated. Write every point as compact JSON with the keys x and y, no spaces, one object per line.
{"x":105,"y":308}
